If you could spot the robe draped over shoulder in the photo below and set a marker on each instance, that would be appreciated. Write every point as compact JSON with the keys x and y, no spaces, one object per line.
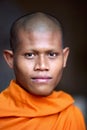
{"x":23,"y":111}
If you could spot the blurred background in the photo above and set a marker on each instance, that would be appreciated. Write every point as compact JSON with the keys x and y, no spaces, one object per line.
{"x":73,"y":16}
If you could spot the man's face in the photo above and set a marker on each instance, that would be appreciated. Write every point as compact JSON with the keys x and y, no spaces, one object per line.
{"x":39,"y":61}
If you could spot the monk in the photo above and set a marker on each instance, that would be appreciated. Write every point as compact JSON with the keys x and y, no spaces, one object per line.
{"x":38,"y":59}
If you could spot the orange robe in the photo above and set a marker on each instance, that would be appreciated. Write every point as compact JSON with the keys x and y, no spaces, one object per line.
{"x":20,"y":110}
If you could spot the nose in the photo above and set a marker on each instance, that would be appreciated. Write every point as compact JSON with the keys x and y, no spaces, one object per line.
{"x":41,"y":64}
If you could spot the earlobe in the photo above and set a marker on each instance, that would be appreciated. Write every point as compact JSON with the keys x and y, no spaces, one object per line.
{"x":66,"y":54}
{"x":8,"y":56}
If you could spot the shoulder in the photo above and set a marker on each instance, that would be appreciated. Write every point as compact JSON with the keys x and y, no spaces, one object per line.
{"x":74,"y":112}
{"x":73,"y":118}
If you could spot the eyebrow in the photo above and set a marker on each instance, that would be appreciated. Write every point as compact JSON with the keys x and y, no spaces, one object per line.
{"x":46,"y":51}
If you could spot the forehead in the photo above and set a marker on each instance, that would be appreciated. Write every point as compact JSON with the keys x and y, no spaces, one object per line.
{"x":36,"y":39}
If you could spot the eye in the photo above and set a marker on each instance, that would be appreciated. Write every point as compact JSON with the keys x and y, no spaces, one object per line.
{"x":53,"y":54}
{"x":29,"y":55}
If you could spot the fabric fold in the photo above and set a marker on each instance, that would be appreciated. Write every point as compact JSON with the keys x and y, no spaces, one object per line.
{"x":23,"y":111}
{"x":18,"y":102}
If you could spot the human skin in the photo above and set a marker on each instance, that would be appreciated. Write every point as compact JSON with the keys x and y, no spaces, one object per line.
{"x":39,"y":61}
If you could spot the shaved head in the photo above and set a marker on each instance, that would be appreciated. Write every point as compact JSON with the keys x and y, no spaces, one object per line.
{"x":38,"y":21}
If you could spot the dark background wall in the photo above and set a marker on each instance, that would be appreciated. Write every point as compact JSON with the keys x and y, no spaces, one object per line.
{"x":73,"y":16}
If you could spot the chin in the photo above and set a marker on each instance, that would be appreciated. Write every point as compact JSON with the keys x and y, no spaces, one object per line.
{"x":42,"y":93}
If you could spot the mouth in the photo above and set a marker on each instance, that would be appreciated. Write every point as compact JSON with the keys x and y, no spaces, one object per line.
{"x":41,"y":79}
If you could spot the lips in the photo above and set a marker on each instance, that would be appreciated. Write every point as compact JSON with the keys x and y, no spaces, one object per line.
{"x":41,"y":79}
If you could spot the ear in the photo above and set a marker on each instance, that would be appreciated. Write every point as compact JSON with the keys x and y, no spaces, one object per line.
{"x":66,"y":54}
{"x":8,"y":56}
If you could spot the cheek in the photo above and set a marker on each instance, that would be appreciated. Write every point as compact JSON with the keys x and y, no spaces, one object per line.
{"x":19,"y":67}
{"x":57,"y":74}
{"x":56,"y":68}
{"x":23,"y":65}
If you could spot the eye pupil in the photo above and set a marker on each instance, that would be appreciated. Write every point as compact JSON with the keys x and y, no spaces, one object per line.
{"x":52,"y":54}
{"x":29,"y":55}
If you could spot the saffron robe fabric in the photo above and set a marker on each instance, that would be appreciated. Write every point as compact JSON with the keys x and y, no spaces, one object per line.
{"x":23,"y":111}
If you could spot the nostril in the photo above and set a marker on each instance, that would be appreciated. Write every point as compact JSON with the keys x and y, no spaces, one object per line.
{"x":41,"y":67}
